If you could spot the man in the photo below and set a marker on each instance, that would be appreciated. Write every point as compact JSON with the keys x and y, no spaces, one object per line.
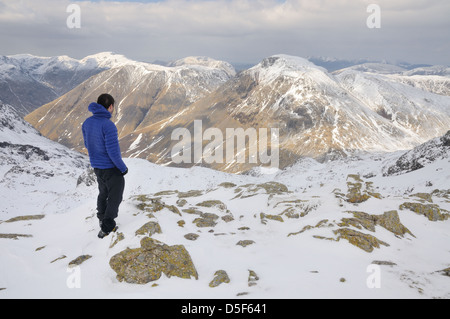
{"x":102,"y":142}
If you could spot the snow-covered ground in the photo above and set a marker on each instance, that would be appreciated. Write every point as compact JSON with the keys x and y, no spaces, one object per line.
{"x":296,"y":266}
{"x":291,"y":220}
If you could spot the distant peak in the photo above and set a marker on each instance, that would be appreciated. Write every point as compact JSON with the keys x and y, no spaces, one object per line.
{"x":206,"y":62}
{"x":107,"y":59}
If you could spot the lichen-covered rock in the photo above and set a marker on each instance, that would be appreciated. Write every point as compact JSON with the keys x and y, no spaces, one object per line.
{"x":173,"y":209}
{"x":24,"y":218}
{"x":270,"y":188}
{"x":117,"y":238}
{"x":389,"y":220}
{"x":272,"y":217}
{"x":445,"y":272}
{"x":245,"y":243}
{"x":79,"y":260}
{"x":213,"y":203}
{"x":221,"y":277}
{"x":191,"y":193}
{"x":252,"y":278}
{"x":206,"y":220}
{"x":431,"y":211}
{"x":191,"y":236}
{"x":364,"y":241}
{"x":149,"y":229}
{"x":146,"y":264}
{"x":14,"y":236}
{"x":358,"y":191}
{"x":149,"y":204}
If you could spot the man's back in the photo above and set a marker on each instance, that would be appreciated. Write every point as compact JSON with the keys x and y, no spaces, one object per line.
{"x":101,"y":139}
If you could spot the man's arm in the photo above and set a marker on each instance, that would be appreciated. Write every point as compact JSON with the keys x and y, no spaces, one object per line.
{"x":113,"y":147}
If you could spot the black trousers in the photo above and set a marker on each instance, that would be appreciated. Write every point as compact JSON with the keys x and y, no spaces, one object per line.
{"x":111,"y":185}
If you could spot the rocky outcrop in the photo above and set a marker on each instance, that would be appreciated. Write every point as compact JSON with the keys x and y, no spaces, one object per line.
{"x":420,"y":156}
{"x":147,"y":263}
{"x":358,"y":190}
{"x":432,"y":211}
{"x":220,"y":277}
{"x":364,"y":241}
{"x":389,"y":220}
{"x":79,"y":260}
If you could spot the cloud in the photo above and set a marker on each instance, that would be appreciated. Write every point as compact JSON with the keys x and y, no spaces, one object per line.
{"x":234,"y":30}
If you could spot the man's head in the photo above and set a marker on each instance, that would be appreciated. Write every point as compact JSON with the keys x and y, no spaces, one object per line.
{"x":107,"y":101}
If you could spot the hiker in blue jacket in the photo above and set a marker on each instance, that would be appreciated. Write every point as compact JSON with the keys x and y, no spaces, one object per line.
{"x":102,"y":142}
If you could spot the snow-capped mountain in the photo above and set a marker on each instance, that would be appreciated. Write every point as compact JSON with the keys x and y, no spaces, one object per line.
{"x":372,"y":107}
{"x":28,"y":81}
{"x":145,"y":93}
{"x":341,"y":229}
{"x":319,"y":115}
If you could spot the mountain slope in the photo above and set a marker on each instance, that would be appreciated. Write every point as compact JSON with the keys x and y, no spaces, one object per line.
{"x":28,"y":81}
{"x":318,"y":114}
{"x":366,"y":108}
{"x":33,"y":168}
{"x":145,"y":94}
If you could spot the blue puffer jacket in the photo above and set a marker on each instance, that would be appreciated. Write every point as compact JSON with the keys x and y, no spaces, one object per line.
{"x":101,"y":139}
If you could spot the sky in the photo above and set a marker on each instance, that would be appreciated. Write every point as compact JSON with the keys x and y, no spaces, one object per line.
{"x":237,"y":31}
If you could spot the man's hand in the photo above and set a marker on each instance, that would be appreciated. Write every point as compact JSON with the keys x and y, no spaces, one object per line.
{"x":125,"y":173}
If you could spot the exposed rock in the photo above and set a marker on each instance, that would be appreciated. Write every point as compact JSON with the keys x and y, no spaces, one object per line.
{"x":270,"y":188}
{"x":389,"y":220}
{"x":221,"y":277}
{"x":252,"y":278}
{"x":13,"y":236}
{"x":166,"y":193}
{"x":213,"y":203}
{"x":445,"y":272}
{"x":431,"y":211}
{"x":227,"y":185}
{"x":272,"y":217}
{"x":22,"y":218}
{"x":421,"y":156}
{"x":88,"y":178}
{"x":245,"y":243}
{"x":181,"y":202}
{"x":227,"y":218}
{"x":383,"y":263}
{"x":364,"y":241}
{"x":149,"y":229}
{"x":320,"y":224}
{"x":79,"y":260}
{"x":173,"y":209}
{"x":118,"y":237}
{"x":59,"y":258}
{"x":191,"y":236}
{"x":146,"y":264}
{"x":425,"y":196}
{"x":191,"y":193}
{"x":149,"y":204}
{"x":357,"y":192}
{"x":206,"y":220}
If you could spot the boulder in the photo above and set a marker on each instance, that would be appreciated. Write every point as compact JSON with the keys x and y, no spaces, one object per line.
{"x":147,"y":263}
{"x":221,"y":277}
